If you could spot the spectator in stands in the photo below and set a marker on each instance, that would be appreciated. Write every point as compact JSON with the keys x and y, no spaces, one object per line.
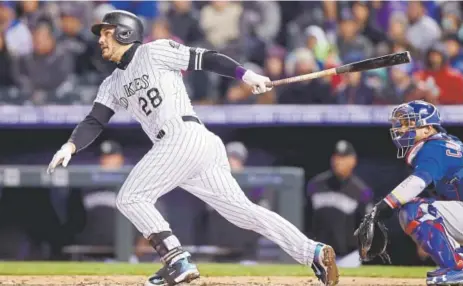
{"x":28,"y":11}
{"x":18,"y":38}
{"x":454,"y":51}
{"x":262,"y":19}
{"x":220,"y":21}
{"x":160,"y":29}
{"x":423,"y":30}
{"x":184,"y":22}
{"x":384,"y":11}
{"x":274,"y":62}
{"x":398,"y":27}
{"x":350,"y":42}
{"x":96,"y":65}
{"x":48,"y":68}
{"x":337,"y":201}
{"x":355,"y":90}
{"x":75,"y":37}
{"x":306,"y":13}
{"x":83,"y":10}
{"x":438,"y":74}
{"x":237,"y":155}
{"x":259,"y":25}
{"x":403,"y":88}
{"x":6,"y":74}
{"x":302,"y":61}
{"x":27,"y":7}
{"x":366,"y":23}
{"x":451,"y":17}
{"x":317,"y":42}
{"x":332,"y":60}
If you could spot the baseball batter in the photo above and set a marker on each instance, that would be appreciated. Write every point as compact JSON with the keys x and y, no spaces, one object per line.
{"x":148,"y":84}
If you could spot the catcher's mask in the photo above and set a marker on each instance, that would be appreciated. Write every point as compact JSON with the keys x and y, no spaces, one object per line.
{"x":406,"y":118}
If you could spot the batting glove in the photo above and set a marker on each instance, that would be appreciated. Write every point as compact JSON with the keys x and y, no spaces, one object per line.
{"x":63,"y":156}
{"x":258,"y":82}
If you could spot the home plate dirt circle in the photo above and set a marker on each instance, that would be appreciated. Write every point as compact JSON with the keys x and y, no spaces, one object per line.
{"x":203,"y":281}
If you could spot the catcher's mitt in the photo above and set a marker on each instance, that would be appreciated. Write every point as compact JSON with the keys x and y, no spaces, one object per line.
{"x":372,"y":238}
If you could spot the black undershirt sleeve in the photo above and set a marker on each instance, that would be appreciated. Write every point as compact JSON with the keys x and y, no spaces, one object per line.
{"x":91,"y":127}
{"x":212,"y":61}
{"x":384,"y":210}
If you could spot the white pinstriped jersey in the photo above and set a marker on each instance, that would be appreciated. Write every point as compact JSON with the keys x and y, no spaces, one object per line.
{"x":151,"y":88}
{"x":193,"y":158}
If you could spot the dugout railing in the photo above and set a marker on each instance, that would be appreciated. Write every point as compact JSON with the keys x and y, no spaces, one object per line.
{"x":286,"y":181}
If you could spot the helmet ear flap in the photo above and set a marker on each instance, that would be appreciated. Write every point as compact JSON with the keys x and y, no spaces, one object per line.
{"x":122,"y":35}
{"x":125,"y":35}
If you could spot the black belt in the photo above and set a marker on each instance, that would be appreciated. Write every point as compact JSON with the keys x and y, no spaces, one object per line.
{"x":186,"y":118}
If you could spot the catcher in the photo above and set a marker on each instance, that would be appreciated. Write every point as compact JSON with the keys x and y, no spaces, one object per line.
{"x":435,"y":224}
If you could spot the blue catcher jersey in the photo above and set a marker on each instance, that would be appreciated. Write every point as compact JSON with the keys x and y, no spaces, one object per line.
{"x":439,"y":160}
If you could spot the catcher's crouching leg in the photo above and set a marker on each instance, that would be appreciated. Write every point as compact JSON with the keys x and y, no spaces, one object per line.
{"x":420,"y":220}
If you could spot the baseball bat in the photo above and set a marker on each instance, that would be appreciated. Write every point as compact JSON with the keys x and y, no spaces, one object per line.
{"x":368,"y":64}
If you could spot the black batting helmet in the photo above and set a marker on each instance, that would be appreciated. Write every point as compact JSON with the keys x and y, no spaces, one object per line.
{"x":129,"y":28}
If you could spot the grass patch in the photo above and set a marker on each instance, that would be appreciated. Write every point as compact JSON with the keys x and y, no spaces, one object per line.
{"x":207,"y":269}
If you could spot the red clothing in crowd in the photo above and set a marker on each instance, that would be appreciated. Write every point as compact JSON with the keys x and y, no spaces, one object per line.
{"x":449,"y":82}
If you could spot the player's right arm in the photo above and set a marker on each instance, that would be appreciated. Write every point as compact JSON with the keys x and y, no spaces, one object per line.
{"x":104,"y":107}
{"x":170,"y":55}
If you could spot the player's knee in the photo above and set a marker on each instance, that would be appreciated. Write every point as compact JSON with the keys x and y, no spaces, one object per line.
{"x":412,"y":214}
{"x":125,"y":198}
{"x":122,"y":200}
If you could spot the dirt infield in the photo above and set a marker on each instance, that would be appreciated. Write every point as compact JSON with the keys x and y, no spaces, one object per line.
{"x":203,"y":281}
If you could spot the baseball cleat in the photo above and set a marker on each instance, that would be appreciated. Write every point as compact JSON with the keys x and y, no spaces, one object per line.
{"x":450,"y":277}
{"x":182,"y":271}
{"x":324,"y":265}
{"x":438,"y":272}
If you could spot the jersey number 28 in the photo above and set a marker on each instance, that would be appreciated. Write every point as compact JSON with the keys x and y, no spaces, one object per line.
{"x":154,"y":99}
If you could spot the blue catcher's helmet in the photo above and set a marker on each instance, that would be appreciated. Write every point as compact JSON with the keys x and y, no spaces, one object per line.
{"x":406,"y":118}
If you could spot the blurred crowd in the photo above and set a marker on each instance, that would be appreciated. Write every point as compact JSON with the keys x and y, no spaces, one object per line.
{"x":49,"y":56}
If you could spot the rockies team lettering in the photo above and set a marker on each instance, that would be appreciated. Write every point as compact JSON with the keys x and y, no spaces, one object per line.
{"x":137,"y":85}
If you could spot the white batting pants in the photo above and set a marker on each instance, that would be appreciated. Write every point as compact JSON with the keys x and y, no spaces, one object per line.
{"x":191,"y":157}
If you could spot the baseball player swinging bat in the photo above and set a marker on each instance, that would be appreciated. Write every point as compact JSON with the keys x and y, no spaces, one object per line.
{"x":369,"y":64}
{"x":148,"y":84}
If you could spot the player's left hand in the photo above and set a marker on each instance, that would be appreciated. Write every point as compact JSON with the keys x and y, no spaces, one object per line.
{"x":259,"y":83}
{"x":372,"y":237}
{"x":63,"y":156}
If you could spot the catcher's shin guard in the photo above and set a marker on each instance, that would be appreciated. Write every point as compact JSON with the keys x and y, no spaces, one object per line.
{"x":420,"y":220}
